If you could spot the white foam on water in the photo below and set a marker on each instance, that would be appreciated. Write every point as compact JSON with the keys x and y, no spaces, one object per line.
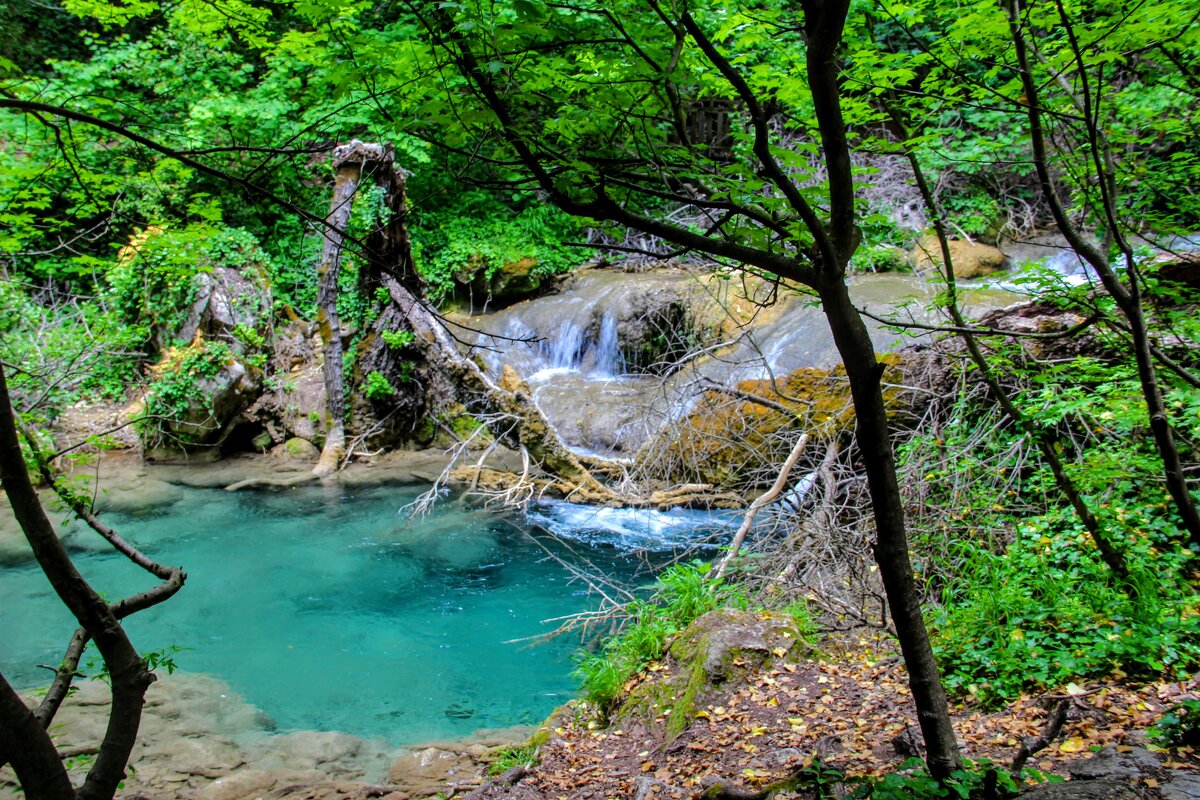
{"x":633,"y":528}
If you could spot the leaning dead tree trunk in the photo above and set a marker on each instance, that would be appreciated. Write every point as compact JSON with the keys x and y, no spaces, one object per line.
{"x":348,"y":163}
{"x":769,"y":496}
{"x":525,"y":426}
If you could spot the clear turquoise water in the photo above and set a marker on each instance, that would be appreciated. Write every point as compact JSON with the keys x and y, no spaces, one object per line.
{"x":329,"y":611}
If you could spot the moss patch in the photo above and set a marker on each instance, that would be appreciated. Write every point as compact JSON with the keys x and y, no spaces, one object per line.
{"x":722,"y":647}
{"x":728,"y":436}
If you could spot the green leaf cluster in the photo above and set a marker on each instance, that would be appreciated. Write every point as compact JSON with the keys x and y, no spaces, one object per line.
{"x":682,"y":593}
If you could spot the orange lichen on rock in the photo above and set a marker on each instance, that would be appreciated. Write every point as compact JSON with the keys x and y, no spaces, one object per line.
{"x":733,"y":434}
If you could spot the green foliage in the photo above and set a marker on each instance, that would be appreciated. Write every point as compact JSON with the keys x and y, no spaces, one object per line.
{"x":249,"y":337}
{"x":377,"y":388}
{"x":397,"y":340}
{"x":153,"y":283}
{"x":509,"y":757}
{"x":1000,"y":558}
{"x":802,"y":620}
{"x":177,"y":385}
{"x":1179,"y":726}
{"x":881,"y":258}
{"x":164,"y":659}
{"x":683,"y":593}
{"x":1009,"y":626}
{"x":68,"y":348}
{"x":475,"y":233}
{"x":913,"y":782}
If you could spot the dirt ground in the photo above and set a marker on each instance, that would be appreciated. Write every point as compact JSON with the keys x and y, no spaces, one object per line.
{"x":854,"y":714}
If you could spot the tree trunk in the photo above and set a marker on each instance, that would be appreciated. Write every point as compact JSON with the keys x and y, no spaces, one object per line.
{"x":128,"y":675}
{"x":1128,"y":298}
{"x":519,"y":421}
{"x":348,"y":161}
{"x":824,"y":21}
{"x":891,"y":547}
{"x":25,"y":744}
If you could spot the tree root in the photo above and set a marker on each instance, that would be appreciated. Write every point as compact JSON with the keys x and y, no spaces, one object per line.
{"x":1032,"y":744}
{"x":727,"y":790}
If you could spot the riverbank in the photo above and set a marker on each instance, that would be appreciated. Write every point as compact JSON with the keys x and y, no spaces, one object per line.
{"x":122,"y":482}
{"x":200,"y":741}
{"x":772,"y":715}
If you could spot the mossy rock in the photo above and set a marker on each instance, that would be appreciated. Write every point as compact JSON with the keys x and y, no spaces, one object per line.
{"x":559,"y":718}
{"x":727,"y":439}
{"x":970,"y":259}
{"x":722,"y":647}
{"x":301,"y":449}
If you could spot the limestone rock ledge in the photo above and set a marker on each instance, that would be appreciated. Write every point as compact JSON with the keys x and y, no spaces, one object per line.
{"x":200,"y":741}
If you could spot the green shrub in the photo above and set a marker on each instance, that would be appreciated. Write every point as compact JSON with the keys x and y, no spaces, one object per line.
{"x":377,"y":388}
{"x":913,"y":782}
{"x":1026,"y":602}
{"x":509,"y":757}
{"x":68,"y":351}
{"x":176,"y":382}
{"x":1179,"y":726}
{"x":396,"y":340}
{"x":474,"y":232}
{"x":153,"y":283}
{"x":683,"y":593}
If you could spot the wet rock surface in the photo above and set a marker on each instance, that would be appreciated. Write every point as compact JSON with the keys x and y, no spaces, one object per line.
{"x":969,"y":259}
{"x":200,"y":741}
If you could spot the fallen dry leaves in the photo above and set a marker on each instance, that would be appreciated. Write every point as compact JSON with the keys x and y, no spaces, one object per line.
{"x":854,"y":712}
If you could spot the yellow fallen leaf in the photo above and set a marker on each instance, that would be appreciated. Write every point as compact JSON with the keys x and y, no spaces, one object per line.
{"x":1072,"y":745}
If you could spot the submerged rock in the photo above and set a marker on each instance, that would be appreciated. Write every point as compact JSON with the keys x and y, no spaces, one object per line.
{"x":199,"y":741}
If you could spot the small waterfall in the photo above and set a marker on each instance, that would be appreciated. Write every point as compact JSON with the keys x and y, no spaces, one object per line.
{"x":564,"y":350}
{"x":608,"y":359}
{"x":566,"y":347}
{"x":1073,"y":268}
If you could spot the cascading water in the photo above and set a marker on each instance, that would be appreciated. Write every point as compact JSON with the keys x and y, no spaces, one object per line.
{"x":568,"y":347}
{"x":565,"y":349}
{"x":1053,"y":253}
{"x":608,"y":359}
